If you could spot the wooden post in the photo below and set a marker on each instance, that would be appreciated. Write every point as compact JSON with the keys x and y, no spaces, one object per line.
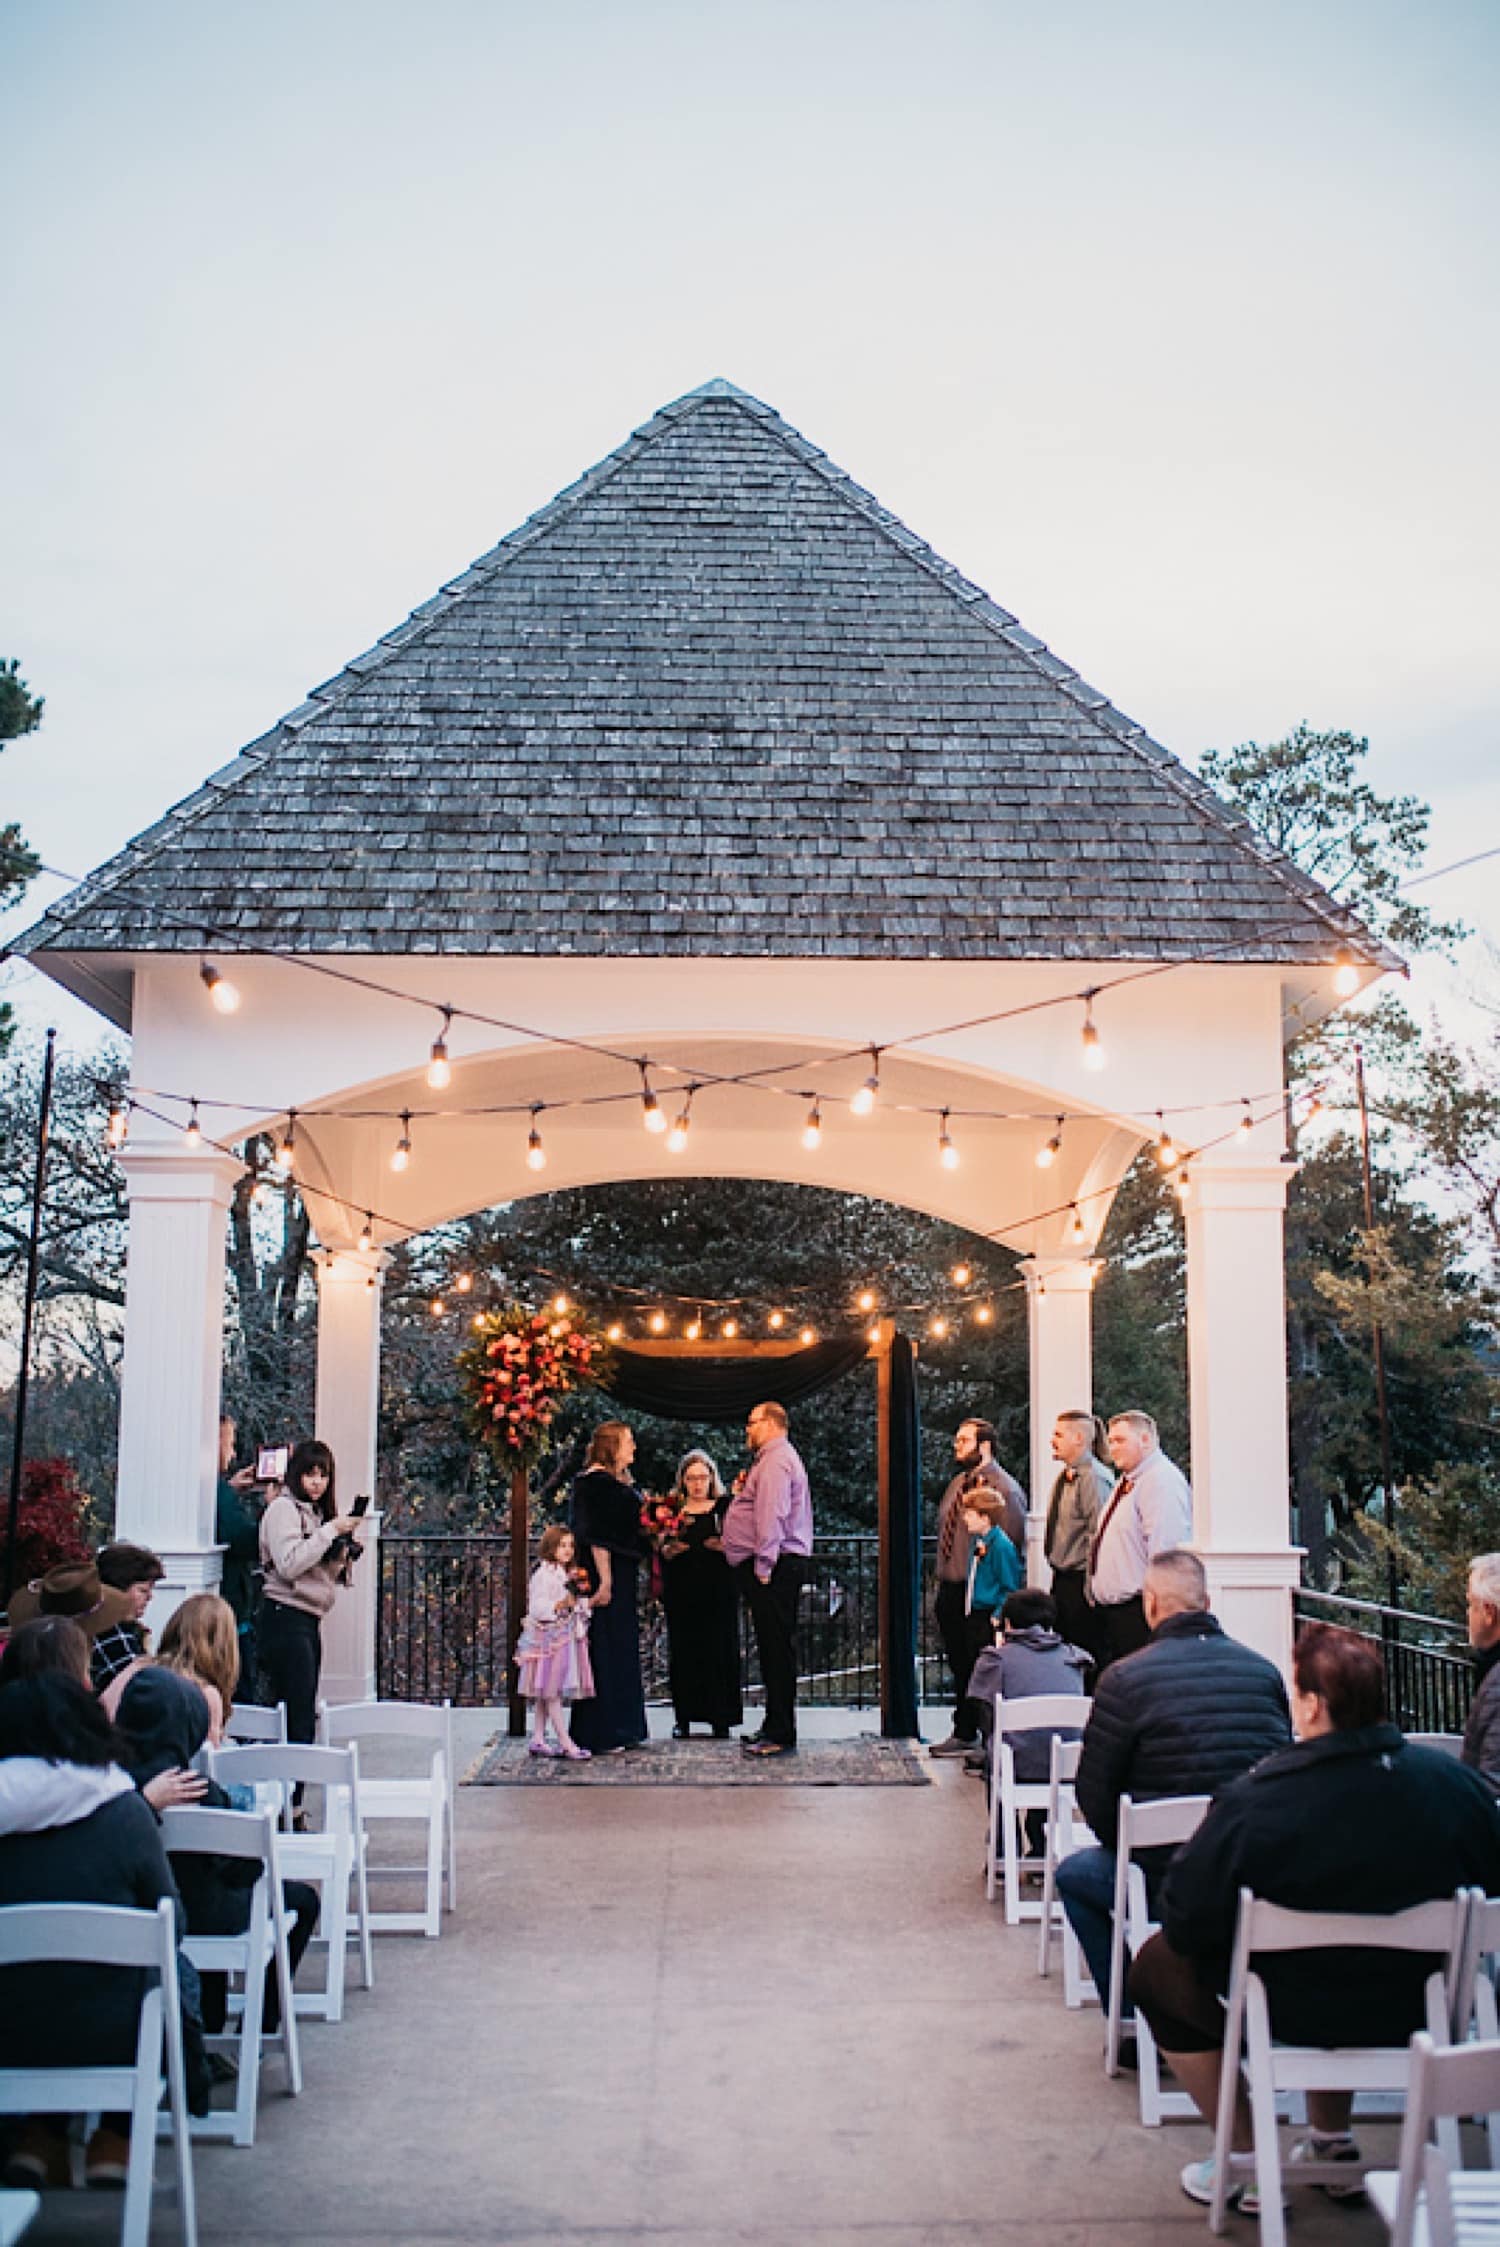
{"x":520,"y":1537}
{"x":885,"y":1336}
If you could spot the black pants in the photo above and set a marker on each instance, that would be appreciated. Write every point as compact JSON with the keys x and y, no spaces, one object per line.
{"x":1077,"y":1621}
{"x":1120,"y":1630}
{"x":291,"y":1659}
{"x":958,"y":1652}
{"x":301,"y":1900}
{"x":773,"y":1612}
{"x":979,"y":1632}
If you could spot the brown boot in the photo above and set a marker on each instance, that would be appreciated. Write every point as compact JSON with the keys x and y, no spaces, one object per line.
{"x":39,"y":2159}
{"x":106,"y":2158}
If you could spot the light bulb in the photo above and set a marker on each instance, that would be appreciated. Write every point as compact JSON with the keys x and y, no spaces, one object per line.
{"x":812,"y":1130}
{"x":658,"y":1322}
{"x":1093,"y":1044}
{"x":1167,"y":1151}
{"x":561,"y":1306}
{"x":677,"y":1137}
{"x":222,"y":992}
{"x":872,"y":1334}
{"x":477,"y":1321}
{"x":961,"y":1275}
{"x":615,"y":1333}
{"x":947,"y":1153}
{"x":1047,"y":1156}
{"x":729,"y":1329}
{"x":119,"y":1122}
{"x":464,"y":1283}
{"x":437,"y":1306}
{"x":984,"y":1314}
{"x":776,"y":1321}
{"x":1246,"y":1123}
{"x":1077,"y":1230}
{"x":651,"y":1115}
{"x":402,"y":1154}
{"x":808,"y":1336}
{"x":536,"y":1153}
{"x":193,"y":1133}
{"x":439,"y":1067}
{"x":937,"y":1328}
{"x":286,"y":1153}
{"x":367,"y":1234}
{"x":869,"y":1092}
{"x":867,"y":1299}
{"x":1183,"y":1184}
{"x":1345,"y":974}
{"x":695,"y":1330}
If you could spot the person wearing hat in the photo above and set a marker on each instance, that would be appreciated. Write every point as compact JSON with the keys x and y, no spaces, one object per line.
{"x":105,"y":1615}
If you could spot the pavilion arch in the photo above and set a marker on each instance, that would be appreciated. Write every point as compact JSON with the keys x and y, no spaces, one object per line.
{"x":711,"y":757}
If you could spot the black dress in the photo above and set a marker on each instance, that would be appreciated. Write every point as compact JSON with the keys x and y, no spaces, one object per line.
{"x":701,"y":1600}
{"x":607,"y":1512}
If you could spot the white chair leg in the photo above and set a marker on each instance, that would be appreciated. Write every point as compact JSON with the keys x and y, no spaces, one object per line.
{"x":247,"y":2089}
{"x":1116,"y":1996}
{"x":182,"y":2133}
{"x":992,"y":1844}
{"x":452,"y":1848}
{"x":434,"y":1926}
{"x":291,"y":2049}
{"x":362,"y":1898}
{"x":1011,"y":1861}
{"x":135,"y":2228}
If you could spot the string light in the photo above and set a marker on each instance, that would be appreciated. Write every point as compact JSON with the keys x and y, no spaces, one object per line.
{"x":439,"y":1067}
{"x":961,"y":1275}
{"x":872,"y":1334}
{"x":651,"y":1115}
{"x":776,"y":1321}
{"x":401,"y":1155}
{"x":437,"y":1306}
{"x":985,"y":1314}
{"x":1167,"y":1151}
{"x":193,"y":1133}
{"x":118,"y":1126}
{"x":729,"y":1329}
{"x":615,"y":1333}
{"x":867,"y":1299}
{"x":937,"y":1328}
{"x":1077,"y":1230}
{"x":809,"y":1336}
{"x":869,"y":1092}
{"x":1047,"y":1156}
{"x":367,"y":1234}
{"x":1246,"y":1123}
{"x":694,"y":1330}
{"x":463,"y":1285}
{"x":1183,"y":1184}
{"x":219,"y":988}
{"x":561,"y":1306}
{"x":677,"y":1137}
{"x":286,"y":1153}
{"x":812,"y":1130}
{"x":658,"y":1322}
{"x":948,"y":1154}
{"x":1093,"y":1045}
{"x":536,"y":1153}
{"x":476,"y":1322}
{"x":1345,"y":973}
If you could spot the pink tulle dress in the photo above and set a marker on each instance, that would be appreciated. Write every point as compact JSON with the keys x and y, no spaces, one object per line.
{"x":552,"y":1654}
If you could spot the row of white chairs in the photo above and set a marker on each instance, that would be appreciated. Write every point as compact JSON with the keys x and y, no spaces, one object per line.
{"x":334,"y":1857}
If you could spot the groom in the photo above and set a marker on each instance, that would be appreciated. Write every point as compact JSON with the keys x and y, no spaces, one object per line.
{"x":768,"y":1533}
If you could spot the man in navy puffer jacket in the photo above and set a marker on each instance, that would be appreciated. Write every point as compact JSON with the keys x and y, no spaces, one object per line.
{"x":1190,"y":1711}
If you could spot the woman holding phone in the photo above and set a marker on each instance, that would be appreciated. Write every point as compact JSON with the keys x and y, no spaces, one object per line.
{"x":307,"y":1548}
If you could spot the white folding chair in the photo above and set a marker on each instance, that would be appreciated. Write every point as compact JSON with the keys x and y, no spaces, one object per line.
{"x":1438,"y":1929}
{"x":1461,"y":2080}
{"x":102,"y":1935}
{"x":1477,"y":2013}
{"x":330,"y":1858}
{"x":1165,"y":1823}
{"x":251,"y":1835}
{"x":1446,"y":1743}
{"x":18,"y":2212}
{"x":426,"y":1796}
{"x":1009,"y":1797}
{"x":248,"y":1724}
{"x":1065,"y":1833}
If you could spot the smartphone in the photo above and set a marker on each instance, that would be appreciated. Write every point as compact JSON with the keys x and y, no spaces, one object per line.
{"x":270,"y":1462}
{"x":361,"y":1504}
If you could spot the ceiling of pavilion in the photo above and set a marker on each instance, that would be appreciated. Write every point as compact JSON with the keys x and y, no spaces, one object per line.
{"x":713,"y":699}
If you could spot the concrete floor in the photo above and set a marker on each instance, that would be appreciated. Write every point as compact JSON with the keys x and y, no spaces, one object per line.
{"x":769,"y":2015}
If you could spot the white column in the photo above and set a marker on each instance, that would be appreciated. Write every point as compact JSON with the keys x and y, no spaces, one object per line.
{"x":1236,"y":1322}
{"x":1059,"y":1307}
{"x":174,"y":1347}
{"x":347,"y":1410}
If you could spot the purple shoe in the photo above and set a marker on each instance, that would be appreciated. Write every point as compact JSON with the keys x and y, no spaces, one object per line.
{"x":542,"y":1747}
{"x":574,"y":1753}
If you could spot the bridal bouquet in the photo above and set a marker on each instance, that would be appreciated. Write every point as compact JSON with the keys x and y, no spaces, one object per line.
{"x":516,"y":1372}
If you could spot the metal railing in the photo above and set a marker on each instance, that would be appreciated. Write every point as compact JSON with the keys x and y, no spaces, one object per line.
{"x":444,"y":1616}
{"x":1429,"y":1673}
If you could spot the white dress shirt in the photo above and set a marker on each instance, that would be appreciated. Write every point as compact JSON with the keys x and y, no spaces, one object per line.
{"x":1155,"y":1513}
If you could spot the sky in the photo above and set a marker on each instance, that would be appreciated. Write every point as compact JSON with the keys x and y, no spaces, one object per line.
{"x":1174,"y":326}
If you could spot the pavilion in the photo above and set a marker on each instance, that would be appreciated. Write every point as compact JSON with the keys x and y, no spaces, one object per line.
{"x":711,"y":766}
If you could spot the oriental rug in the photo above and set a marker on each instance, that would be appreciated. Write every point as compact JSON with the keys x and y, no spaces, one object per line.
{"x":865,"y":1761}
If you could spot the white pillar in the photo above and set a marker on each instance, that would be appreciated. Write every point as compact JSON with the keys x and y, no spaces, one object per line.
{"x":1236,"y":1322}
{"x":174,"y":1347}
{"x":347,"y":1411}
{"x":1059,"y":1307}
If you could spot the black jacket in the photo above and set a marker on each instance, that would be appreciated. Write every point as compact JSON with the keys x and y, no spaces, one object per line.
{"x":1353,"y":1821}
{"x":1185,"y":1715}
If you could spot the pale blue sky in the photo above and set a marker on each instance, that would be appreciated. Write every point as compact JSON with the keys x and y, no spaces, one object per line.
{"x":1174,"y":325}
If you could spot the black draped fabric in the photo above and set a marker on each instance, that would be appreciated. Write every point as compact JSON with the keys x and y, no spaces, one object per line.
{"x":703,"y":1388}
{"x":904,"y":1562}
{"x":606,"y":1511}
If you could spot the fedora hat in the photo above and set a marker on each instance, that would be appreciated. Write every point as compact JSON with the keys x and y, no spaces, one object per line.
{"x":76,"y":1590}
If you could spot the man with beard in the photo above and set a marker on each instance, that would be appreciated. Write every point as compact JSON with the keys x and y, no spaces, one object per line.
{"x":974,"y":1457}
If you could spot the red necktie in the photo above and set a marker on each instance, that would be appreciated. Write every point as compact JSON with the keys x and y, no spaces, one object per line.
{"x":1122,"y":1489}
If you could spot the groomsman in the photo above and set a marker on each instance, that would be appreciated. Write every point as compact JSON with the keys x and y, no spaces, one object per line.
{"x":768,"y":1535}
{"x":974,"y":1457}
{"x":1150,"y":1511}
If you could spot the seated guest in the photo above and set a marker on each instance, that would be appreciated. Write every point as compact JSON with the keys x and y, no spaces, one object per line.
{"x":105,"y":1615}
{"x":52,"y":1642}
{"x":1184,"y":1714}
{"x":73,"y":1830}
{"x":1350,"y":1819}
{"x":1481,"y":1749}
{"x":136,"y":1572}
{"x":201,"y":1640}
{"x":164,"y":1718}
{"x":1031,"y":1658}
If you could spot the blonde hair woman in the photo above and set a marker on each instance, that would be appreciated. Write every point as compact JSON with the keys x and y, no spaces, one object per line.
{"x":202,"y":1641}
{"x":700,"y":1598}
{"x":606,"y":1520}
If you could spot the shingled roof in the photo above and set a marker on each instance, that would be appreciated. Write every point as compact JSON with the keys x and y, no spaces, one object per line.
{"x":714,"y":699}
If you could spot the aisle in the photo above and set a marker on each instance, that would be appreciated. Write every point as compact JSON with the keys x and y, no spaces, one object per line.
{"x":703,"y":2015}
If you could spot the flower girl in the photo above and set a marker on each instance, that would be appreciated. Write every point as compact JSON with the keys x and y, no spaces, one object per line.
{"x":552,"y":1655}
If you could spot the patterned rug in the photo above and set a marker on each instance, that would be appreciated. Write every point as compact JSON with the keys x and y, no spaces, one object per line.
{"x":865,"y":1761}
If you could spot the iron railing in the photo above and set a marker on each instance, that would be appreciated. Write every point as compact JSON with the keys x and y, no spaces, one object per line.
{"x":1429,"y":1674}
{"x":444,"y":1615}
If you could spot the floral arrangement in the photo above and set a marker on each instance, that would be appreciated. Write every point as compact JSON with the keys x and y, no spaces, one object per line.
{"x":516,"y":1372}
{"x":661,"y":1518}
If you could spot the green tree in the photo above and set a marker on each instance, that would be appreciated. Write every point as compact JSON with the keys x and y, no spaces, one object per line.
{"x":20,"y":712}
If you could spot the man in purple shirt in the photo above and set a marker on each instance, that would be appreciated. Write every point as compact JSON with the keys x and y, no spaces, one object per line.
{"x":768,"y":1533}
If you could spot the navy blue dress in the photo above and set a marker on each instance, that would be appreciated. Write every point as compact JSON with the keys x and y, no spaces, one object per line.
{"x":607,"y":1512}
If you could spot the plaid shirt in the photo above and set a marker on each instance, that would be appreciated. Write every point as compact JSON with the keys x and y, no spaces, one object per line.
{"x":114,"y":1650}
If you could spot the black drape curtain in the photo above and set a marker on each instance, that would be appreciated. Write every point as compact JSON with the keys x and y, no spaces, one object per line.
{"x":705,"y":1388}
{"x":904,"y":1568}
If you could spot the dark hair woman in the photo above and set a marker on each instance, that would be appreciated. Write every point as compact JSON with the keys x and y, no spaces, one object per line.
{"x":50,"y":1643}
{"x":307,"y":1548}
{"x":606,"y":1516}
{"x":1349,"y":1819}
{"x":73,"y":1830}
{"x":700,"y":1598}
